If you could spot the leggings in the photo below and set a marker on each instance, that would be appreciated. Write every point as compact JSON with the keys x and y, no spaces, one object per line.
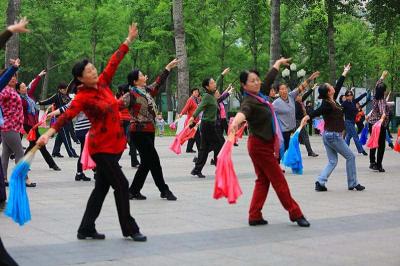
{"x":11,"y":145}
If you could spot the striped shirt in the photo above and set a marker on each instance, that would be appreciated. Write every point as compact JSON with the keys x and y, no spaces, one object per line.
{"x":82,"y":122}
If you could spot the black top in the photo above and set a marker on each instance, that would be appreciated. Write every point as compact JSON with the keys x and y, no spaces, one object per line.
{"x":58,"y":99}
{"x":331,"y":112}
{"x":349,"y":107}
{"x":299,"y":108}
{"x":258,"y":115}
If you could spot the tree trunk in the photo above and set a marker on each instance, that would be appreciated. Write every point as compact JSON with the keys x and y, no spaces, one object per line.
{"x":168,"y":91}
{"x":43,"y":95}
{"x":183,"y":70}
{"x":275,"y":45}
{"x":253,"y":32}
{"x":12,"y":47}
{"x":222,"y":55}
{"x":331,"y":40}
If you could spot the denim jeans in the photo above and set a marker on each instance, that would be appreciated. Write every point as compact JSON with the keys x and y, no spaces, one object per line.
{"x":352,"y":133}
{"x":335,"y":144}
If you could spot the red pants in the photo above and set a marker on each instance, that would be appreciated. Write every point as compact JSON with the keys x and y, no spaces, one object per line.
{"x":268,"y":172}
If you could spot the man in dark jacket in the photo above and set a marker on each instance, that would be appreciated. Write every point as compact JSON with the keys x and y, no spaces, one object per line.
{"x":60,"y":99}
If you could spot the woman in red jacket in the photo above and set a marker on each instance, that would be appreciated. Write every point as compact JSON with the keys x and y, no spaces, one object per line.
{"x":189,"y":108}
{"x":106,"y":140}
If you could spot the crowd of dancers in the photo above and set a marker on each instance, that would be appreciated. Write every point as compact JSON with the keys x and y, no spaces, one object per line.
{"x":106,"y":122}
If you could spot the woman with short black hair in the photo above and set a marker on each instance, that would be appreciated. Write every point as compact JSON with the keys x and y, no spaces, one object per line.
{"x":106,"y":140}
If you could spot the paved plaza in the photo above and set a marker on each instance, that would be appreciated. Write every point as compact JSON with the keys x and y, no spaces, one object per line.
{"x":347,"y":227}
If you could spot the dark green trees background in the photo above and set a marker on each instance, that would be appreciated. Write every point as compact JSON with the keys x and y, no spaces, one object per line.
{"x":219,"y":34}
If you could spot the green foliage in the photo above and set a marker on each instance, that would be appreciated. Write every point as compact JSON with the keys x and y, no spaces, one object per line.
{"x":219,"y":34}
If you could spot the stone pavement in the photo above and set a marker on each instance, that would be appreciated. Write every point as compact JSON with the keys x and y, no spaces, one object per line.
{"x":347,"y":227}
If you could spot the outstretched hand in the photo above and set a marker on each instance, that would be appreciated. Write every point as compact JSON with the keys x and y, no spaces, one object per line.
{"x":282,"y":61}
{"x":15,"y":62}
{"x":384,"y":74}
{"x":346,"y":69}
{"x":172,"y":64}
{"x":226,"y":71}
{"x":42,"y":73}
{"x":20,"y":26}
{"x":314,"y":75}
{"x":304,"y":121}
{"x":132,"y":33}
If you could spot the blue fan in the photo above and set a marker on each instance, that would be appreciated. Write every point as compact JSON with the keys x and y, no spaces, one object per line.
{"x":18,"y":202}
{"x":292,"y":157}
{"x":364,"y":135}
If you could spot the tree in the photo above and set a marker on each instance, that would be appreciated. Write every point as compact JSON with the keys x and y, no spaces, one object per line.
{"x":12,"y":47}
{"x":275,"y":44}
{"x":183,"y":70}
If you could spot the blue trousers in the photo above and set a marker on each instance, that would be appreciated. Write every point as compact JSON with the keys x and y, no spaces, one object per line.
{"x":352,"y":133}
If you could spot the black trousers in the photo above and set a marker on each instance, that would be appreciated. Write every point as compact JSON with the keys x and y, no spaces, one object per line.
{"x":132,"y":147}
{"x":286,"y":140}
{"x":360,"y":126}
{"x":209,"y":142}
{"x":149,"y":162}
{"x":191,"y":142}
{"x":63,"y":136}
{"x":45,"y":153}
{"x":381,"y":147}
{"x":80,"y":134}
{"x":5,"y":258}
{"x":133,"y":151}
{"x":109,"y":174}
{"x":224,"y":125}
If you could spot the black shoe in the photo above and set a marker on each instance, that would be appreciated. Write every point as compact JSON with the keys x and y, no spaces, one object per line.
{"x":313,"y":154}
{"x":195,"y":159}
{"x":137,"y":196}
{"x":168,"y":195}
{"x":319,"y":187}
{"x":55,"y":168}
{"x":364,"y":153}
{"x":135,"y":165}
{"x":381,"y":170}
{"x":391,"y":146}
{"x":191,"y":151}
{"x":74,"y":156}
{"x":373,"y":166}
{"x":199,"y":174}
{"x":235,"y":144}
{"x":212,"y":162}
{"x":57,"y":155}
{"x":94,"y":235}
{"x":12,"y":156}
{"x":81,"y":176}
{"x":6,"y":183}
{"x":302,"y":222}
{"x":139,"y":237}
{"x":358,"y":188}
{"x":30,"y":184}
{"x":258,"y":222}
